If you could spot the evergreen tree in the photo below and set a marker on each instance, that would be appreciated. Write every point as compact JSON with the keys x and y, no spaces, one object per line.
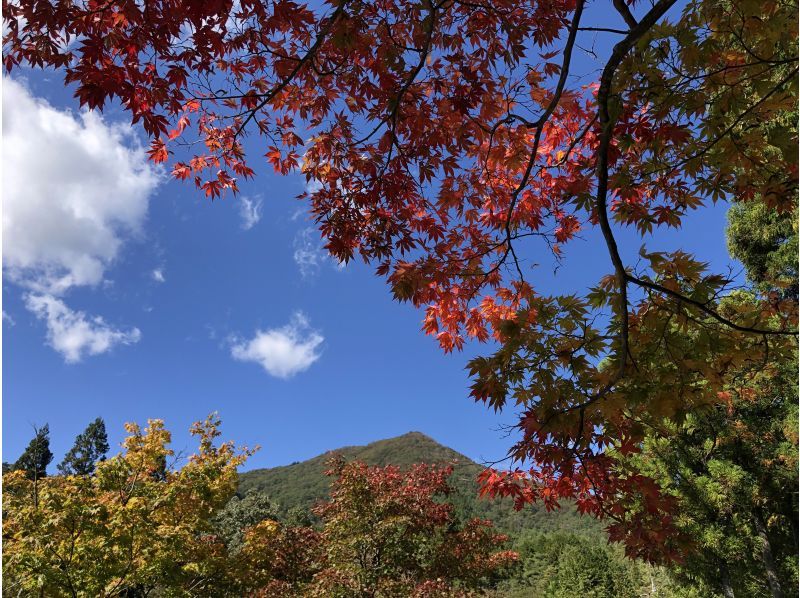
{"x":90,"y":446}
{"x":35,"y":459}
{"x":765,"y":241}
{"x":299,"y":517}
{"x":730,"y":466}
{"x":562,"y":565}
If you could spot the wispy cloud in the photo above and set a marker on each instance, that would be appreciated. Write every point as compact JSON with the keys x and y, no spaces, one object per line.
{"x":158,"y":275}
{"x":250,"y":211}
{"x":310,"y":254}
{"x":73,"y":334}
{"x":8,"y":319}
{"x":282,"y":352}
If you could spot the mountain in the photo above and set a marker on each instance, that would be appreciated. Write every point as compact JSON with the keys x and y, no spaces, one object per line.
{"x":303,"y":484}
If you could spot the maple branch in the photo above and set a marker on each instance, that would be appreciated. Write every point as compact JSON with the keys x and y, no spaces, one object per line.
{"x":597,"y":494}
{"x":575,"y":142}
{"x":791,"y":76}
{"x":605,"y":30}
{"x":607,"y":122}
{"x":622,"y":8}
{"x":388,"y":28}
{"x":267,"y":98}
{"x":423,"y":57}
{"x":739,"y":35}
{"x":543,"y":118}
{"x":488,"y":8}
{"x":704,"y":308}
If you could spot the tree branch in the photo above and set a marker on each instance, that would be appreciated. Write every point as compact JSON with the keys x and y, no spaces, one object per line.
{"x":607,"y":123}
{"x":704,"y":308}
{"x":622,"y":8}
{"x":545,"y":116}
{"x":323,"y":34}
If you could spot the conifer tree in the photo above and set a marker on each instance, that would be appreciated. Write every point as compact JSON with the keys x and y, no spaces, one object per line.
{"x":765,"y":242}
{"x":90,"y":446}
{"x":35,"y":459}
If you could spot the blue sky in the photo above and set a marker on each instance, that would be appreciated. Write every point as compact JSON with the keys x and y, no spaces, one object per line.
{"x":157,"y":303}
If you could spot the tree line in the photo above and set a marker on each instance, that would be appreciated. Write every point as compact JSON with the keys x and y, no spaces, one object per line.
{"x":137,"y":524}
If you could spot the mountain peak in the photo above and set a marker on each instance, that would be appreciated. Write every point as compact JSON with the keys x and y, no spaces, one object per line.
{"x":413,"y":437}
{"x":414,"y":434}
{"x":404,"y":450}
{"x":303,"y":484}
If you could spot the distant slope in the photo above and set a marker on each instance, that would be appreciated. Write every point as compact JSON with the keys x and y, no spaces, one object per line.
{"x":303,"y":484}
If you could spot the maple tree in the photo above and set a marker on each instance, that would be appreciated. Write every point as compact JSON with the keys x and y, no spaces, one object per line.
{"x":387,"y":532}
{"x":450,"y":143}
{"x":278,"y":560}
{"x":383,"y":532}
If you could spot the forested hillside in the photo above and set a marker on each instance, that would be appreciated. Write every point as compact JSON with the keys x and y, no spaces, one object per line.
{"x":305,"y":483}
{"x":558,"y":551}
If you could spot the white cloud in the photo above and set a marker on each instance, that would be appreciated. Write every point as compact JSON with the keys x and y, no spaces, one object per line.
{"x":158,"y":275}
{"x":73,"y":190}
{"x":7,"y":318}
{"x":73,"y":333}
{"x":250,"y":211}
{"x":282,"y":352}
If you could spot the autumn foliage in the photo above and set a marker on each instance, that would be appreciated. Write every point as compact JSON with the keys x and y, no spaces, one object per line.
{"x":452,"y":147}
{"x":391,"y":533}
{"x":139,"y":525}
{"x":135,"y":523}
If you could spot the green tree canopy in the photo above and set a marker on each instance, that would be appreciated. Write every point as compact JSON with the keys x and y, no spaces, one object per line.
{"x":765,"y":241}
{"x":242,"y":513}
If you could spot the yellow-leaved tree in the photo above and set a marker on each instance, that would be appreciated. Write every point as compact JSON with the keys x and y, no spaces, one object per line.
{"x":136,"y":524}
